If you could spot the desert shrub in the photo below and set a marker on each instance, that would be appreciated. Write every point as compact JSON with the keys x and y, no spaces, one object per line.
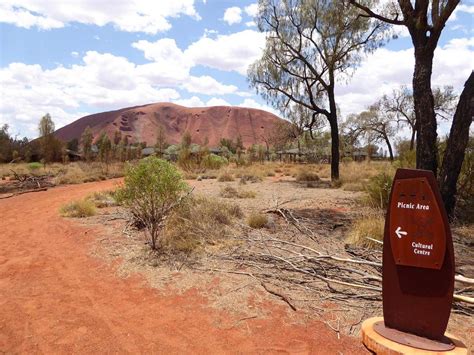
{"x":465,"y":186}
{"x":369,"y":225}
{"x":212,"y":161}
{"x":152,"y":189}
{"x":231,"y":192}
{"x":34,"y":166}
{"x":102,"y":199}
{"x":197,"y":222}
{"x":225,"y":176}
{"x":79,"y":209}
{"x":378,"y":190}
{"x":306,"y":175}
{"x":257,"y":220}
{"x":252,"y":178}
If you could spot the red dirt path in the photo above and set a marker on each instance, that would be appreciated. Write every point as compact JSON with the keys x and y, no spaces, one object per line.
{"x":55,"y":298}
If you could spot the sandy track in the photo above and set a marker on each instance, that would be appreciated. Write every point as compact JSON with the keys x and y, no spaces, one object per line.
{"x":55,"y":298}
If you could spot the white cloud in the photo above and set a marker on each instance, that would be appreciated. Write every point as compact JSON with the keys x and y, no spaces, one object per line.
{"x":233,"y":15}
{"x":190,"y":102}
{"x":217,"y":102}
{"x":74,"y":54}
{"x":251,"y":10}
{"x":233,"y":52}
{"x":130,"y":16}
{"x":250,"y":24}
{"x":208,"y":86}
{"x":251,"y":103}
{"x":386,"y":70}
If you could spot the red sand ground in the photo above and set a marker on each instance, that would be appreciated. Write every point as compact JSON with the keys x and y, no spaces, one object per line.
{"x":141,"y":124}
{"x":55,"y":298}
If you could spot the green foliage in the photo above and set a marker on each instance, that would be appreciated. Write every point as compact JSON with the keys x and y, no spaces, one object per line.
{"x":465,"y":186}
{"x":152,"y":188}
{"x":212,"y":161}
{"x":78,"y":209}
{"x":406,"y":157}
{"x":378,"y":190}
{"x":86,"y":143}
{"x":34,"y":166}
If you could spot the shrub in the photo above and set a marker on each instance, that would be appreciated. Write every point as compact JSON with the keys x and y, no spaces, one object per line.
{"x":79,"y":209}
{"x":212,"y":161}
{"x":225,"y":176}
{"x":34,"y":166}
{"x":198,"y":221}
{"x":378,"y":190}
{"x":152,"y":189}
{"x":369,"y":225}
{"x":102,"y":199}
{"x":249,"y":177}
{"x":305,"y":175}
{"x":231,"y":192}
{"x":257,"y":220}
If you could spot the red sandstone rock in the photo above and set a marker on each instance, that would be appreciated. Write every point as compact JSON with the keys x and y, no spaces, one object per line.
{"x":140,"y":124}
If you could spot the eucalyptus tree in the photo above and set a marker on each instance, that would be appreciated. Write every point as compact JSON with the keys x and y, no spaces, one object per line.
{"x":311,"y":46}
{"x":425,"y":21}
{"x":400,"y":104}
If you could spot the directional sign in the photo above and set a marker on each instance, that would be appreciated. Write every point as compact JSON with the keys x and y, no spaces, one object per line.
{"x":418,"y":237}
{"x":418,"y":257}
{"x":400,"y":233}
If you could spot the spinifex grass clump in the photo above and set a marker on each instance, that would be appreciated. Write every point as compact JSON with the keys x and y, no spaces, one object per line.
{"x":152,"y":189}
{"x":78,"y":209}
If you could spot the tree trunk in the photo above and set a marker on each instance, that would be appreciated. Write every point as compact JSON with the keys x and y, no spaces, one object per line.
{"x":412,"y":140}
{"x":389,"y":146}
{"x":334,"y":148}
{"x":426,"y":148}
{"x":456,"y":146}
{"x":334,"y":134}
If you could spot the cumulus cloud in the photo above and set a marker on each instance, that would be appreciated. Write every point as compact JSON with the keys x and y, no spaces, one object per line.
{"x":130,"y":16}
{"x":386,"y":70}
{"x":208,"y":85}
{"x":217,"y":102}
{"x":233,"y":52}
{"x":233,"y":15}
{"x":251,"y":10}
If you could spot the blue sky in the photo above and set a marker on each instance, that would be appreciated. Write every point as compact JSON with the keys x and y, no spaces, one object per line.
{"x":80,"y":57}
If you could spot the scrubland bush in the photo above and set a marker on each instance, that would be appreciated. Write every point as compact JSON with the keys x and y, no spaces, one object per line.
{"x":257,"y":220}
{"x":152,"y":189}
{"x":212,"y":161}
{"x":225,"y":177}
{"x":102,"y":199}
{"x":378,"y":190}
{"x":369,"y":225}
{"x":306,"y":175}
{"x":197,"y":222}
{"x":231,"y":192}
{"x":34,"y":166}
{"x":78,"y":209}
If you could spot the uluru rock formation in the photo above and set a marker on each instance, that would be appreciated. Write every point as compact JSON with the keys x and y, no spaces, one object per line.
{"x":141,"y":124}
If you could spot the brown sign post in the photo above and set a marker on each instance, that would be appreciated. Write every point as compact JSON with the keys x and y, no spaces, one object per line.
{"x":418,"y":263}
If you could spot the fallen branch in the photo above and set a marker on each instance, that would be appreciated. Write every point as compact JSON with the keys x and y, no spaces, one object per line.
{"x":275,"y":293}
{"x":23,"y":192}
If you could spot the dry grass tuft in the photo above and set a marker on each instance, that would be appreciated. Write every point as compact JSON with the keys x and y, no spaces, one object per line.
{"x":369,"y":225}
{"x":197,"y":222}
{"x":225,"y":177}
{"x":257,"y":220}
{"x":78,"y":209}
{"x":305,"y":175}
{"x":232,"y":192}
{"x":102,"y":199}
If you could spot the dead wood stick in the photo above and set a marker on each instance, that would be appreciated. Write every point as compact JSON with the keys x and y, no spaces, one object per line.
{"x":464,"y":279}
{"x":23,"y":192}
{"x":466,"y":299}
{"x":275,"y":293}
{"x":327,"y":256}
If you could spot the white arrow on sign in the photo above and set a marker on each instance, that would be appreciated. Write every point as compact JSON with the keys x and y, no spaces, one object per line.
{"x":400,"y":233}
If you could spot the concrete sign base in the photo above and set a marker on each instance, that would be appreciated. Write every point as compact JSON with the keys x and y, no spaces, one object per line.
{"x":372,"y":329}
